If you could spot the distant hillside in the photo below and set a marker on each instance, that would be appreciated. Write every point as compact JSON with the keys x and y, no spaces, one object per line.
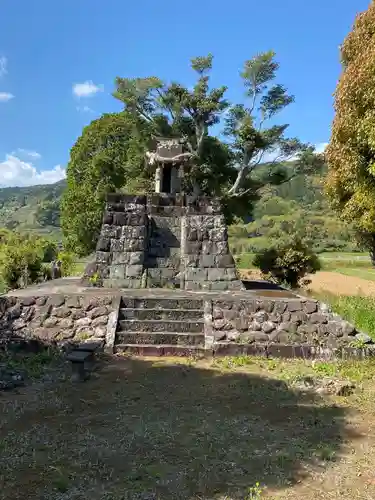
{"x":34,"y":208}
{"x":296,"y":206}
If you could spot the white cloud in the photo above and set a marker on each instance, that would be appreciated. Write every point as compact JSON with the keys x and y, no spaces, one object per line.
{"x":86,"y":89}
{"x":26,"y":152}
{"x":5,"y":96}
{"x":3,"y":66}
{"x":320,"y":147}
{"x":16,"y":172}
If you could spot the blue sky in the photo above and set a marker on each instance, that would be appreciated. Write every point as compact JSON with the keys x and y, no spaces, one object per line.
{"x":58,"y":61}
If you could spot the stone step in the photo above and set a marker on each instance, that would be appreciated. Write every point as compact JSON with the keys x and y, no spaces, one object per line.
{"x":165,"y":338}
{"x":161,"y":314}
{"x":160,"y":350}
{"x":160,"y":326}
{"x":161,"y":303}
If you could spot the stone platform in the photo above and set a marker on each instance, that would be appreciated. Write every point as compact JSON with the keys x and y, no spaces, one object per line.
{"x":165,"y":240}
{"x":264,"y":320}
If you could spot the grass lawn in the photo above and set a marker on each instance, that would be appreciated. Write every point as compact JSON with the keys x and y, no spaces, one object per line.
{"x":185,"y":429}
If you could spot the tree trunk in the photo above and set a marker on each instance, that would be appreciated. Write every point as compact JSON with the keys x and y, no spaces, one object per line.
{"x":372,"y":254}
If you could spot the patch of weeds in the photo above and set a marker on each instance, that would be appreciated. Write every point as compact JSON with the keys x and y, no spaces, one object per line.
{"x":33,"y":364}
{"x":233,"y":362}
{"x":326,"y":453}
{"x":325,"y":369}
{"x":254,"y":493}
{"x":60,"y":481}
{"x":358,"y":344}
{"x":83,"y":336}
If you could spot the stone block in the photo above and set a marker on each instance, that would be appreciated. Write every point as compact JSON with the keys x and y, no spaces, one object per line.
{"x":220,"y":247}
{"x":294,"y":305}
{"x":192,"y":285}
{"x":135,"y":258}
{"x":61,"y":312}
{"x":66,"y":323}
{"x":108,"y":218}
{"x":196,"y":274}
{"x":310,"y":307}
{"x":119,"y":258}
{"x":104,"y":245}
{"x":117,"y":272}
{"x":230,"y":274}
{"x":257,"y":337}
{"x":218,"y":234}
{"x":216,"y":274}
{"x":134,"y":271}
{"x":268,"y":327}
{"x":73,"y":301}
{"x":136,"y":219}
{"x":195,"y":247}
{"x":219,"y":286}
{"x":224,"y":260}
{"x":133,"y":245}
{"x":279,"y":336}
{"x":279,"y":307}
{"x":318,"y":318}
{"x":260,"y":316}
{"x":116,"y":246}
{"x":56,"y":300}
{"x":110,"y":231}
{"x":207,"y":261}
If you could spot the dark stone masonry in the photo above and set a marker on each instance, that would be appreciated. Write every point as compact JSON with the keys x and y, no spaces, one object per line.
{"x":157,"y":322}
{"x":165,"y":240}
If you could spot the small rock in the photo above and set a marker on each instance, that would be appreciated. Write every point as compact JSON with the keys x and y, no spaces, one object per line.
{"x":50,"y":322}
{"x":260,"y":316}
{"x":40,"y":301}
{"x":233,"y":335}
{"x":61,"y":312}
{"x":268,"y":327}
{"x":83,"y":321}
{"x":217,"y":313}
{"x":101,"y":320}
{"x":255,"y":326}
{"x":56,"y":300}
{"x":98,"y":311}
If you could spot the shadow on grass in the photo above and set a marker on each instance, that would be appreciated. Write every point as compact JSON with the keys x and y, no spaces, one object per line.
{"x":174,"y":432}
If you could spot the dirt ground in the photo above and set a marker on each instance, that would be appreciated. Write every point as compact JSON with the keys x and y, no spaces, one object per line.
{"x":187,"y":430}
{"x":332,"y":282}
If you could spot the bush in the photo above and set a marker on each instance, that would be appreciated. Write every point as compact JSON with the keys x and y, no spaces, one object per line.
{"x":21,"y":259}
{"x":287,"y":262}
{"x":68,"y":265}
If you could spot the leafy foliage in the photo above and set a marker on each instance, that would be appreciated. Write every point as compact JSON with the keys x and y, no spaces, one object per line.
{"x":22,"y":257}
{"x":351,"y":152}
{"x":288,"y":262}
{"x":108,"y":155}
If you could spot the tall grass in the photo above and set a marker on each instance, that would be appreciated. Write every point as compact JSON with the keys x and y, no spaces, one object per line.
{"x":360,"y":311}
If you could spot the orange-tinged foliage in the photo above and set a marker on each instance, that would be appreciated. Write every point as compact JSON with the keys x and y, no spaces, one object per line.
{"x":351,"y":152}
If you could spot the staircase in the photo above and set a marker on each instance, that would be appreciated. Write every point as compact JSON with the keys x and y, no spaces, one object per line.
{"x":160,"y":326}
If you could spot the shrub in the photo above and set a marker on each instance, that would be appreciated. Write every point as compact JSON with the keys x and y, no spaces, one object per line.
{"x":287,"y":262}
{"x":68,"y":265}
{"x":21,"y":261}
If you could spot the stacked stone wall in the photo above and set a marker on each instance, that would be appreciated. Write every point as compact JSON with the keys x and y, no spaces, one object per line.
{"x":293,"y":322}
{"x":57,"y":318}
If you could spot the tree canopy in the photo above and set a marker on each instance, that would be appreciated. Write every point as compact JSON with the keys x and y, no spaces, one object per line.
{"x":110,"y":154}
{"x":351,"y":151}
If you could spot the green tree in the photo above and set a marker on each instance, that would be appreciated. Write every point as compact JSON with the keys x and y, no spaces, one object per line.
{"x":175,"y":110}
{"x":108,"y":155}
{"x":351,"y":151}
{"x":21,"y":259}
